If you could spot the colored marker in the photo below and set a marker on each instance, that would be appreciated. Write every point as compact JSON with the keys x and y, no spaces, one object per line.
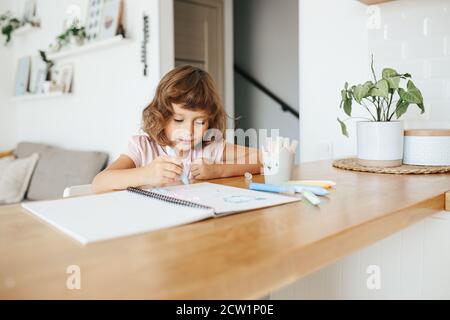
{"x":185,"y":176}
{"x":270,"y":188}
{"x":311,"y":197}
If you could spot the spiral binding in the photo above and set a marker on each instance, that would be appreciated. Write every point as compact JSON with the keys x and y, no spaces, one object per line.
{"x":168,"y":198}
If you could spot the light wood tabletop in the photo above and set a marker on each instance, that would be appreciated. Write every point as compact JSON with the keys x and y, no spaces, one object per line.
{"x":242,"y":256}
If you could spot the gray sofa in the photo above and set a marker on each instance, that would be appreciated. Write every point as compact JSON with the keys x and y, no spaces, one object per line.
{"x":58,"y":168}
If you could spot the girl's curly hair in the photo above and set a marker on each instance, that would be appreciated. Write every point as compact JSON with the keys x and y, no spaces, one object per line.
{"x":191,"y":87}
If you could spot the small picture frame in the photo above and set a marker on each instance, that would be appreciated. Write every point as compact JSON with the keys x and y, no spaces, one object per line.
{"x":111,"y":19}
{"x":22,"y":76}
{"x":63,"y":77}
{"x":40,"y":79}
{"x":37,"y":70}
{"x":29,"y":11}
{"x":93,"y":19}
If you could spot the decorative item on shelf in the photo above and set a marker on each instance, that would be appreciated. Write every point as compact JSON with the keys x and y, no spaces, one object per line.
{"x":48,"y":85}
{"x":380,"y":138}
{"x":63,"y":77}
{"x":93,"y":19}
{"x":22,"y":76}
{"x":29,"y":12}
{"x":10,"y":24}
{"x":38,"y":72}
{"x":427,"y":147}
{"x":73,"y":36}
{"x":111,"y":21}
{"x":104,"y":19}
{"x":145,"y":38}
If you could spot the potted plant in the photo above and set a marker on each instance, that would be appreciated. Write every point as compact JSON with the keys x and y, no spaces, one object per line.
{"x":380,"y":138}
{"x":73,"y":36}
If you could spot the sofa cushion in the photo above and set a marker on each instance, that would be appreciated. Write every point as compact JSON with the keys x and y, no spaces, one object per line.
{"x":60,"y":168}
{"x":15,"y":176}
{"x":26,"y":149}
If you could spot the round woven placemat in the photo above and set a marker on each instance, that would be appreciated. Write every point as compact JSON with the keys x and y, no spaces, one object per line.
{"x":352,"y":164}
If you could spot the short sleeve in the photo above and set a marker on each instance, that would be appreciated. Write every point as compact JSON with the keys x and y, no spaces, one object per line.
{"x":134,"y":150}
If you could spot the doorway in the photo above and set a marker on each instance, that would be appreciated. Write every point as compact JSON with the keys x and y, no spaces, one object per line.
{"x":199,"y":37}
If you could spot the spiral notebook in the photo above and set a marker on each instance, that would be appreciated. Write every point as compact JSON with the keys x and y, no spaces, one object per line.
{"x":134,"y":211}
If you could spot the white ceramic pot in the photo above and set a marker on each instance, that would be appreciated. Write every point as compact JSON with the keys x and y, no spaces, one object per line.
{"x":380,"y":144}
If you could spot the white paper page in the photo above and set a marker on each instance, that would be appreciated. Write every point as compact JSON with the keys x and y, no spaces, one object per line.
{"x":225,"y":199}
{"x":113,"y":215}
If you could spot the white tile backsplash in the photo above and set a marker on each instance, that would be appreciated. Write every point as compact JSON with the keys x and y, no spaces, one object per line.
{"x":414,"y":37}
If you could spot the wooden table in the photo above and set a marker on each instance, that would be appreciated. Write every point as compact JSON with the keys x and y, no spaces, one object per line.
{"x":241,"y":256}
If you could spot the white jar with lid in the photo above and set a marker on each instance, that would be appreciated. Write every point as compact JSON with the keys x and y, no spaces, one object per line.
{"x":427,"y":147}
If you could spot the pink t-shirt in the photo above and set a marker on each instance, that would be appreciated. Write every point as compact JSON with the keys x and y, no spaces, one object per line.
{"x":142,"y":150}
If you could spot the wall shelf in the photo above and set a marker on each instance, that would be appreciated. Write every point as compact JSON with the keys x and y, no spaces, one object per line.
{"x":93,"y":46}
{"x":30,"y":96}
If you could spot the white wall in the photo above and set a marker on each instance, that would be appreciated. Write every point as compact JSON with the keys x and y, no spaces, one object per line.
{"x":7,"y":110}
{"x":414,"y":262}
{"x":414,"y":37}
{"x":333,"y":50}
{"x":109,"y":88}
{"x":266,"y":46}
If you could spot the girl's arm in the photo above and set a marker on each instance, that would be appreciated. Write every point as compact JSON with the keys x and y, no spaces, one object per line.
{"x":237,"y":160}
{"x":123,"y":173}
{"x":120,"y":175}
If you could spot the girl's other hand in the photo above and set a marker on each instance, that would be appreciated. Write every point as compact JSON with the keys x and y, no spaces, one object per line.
{"x":202,"y":169}
{"x":162,"y":171}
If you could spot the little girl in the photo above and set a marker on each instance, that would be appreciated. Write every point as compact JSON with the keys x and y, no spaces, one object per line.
{"x":176,"y":147}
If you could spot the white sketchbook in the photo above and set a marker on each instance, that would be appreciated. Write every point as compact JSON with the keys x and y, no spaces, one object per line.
{"x":118,"y":214}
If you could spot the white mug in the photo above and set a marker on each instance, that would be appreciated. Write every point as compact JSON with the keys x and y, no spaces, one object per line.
{"x":278,"y":166}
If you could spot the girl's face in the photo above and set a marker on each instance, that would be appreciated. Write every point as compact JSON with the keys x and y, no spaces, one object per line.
{"x":185,"y":129}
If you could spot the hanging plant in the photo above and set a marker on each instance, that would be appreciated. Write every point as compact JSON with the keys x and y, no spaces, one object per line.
{"x":74,"y":34}
{"x":8,"y":24}
{"x":49,"y":64}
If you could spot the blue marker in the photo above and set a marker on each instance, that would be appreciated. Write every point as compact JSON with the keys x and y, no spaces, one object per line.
{"x":270,"y":188}
{"x":185,"y":176}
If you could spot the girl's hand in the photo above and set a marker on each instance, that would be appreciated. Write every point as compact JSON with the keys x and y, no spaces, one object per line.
{"x":202,"y":169}
{"x":162,"y":171}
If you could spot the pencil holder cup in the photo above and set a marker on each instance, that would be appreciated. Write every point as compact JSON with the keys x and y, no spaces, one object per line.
{"x":278,"y":166}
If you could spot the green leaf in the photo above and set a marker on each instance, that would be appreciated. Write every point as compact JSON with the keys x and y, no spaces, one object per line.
{"x":348,"y":106}
{"x":402,"y":107}
{"x":343,"y":127}
{"x":392,"y":77}
{"x":343,"y":95}
{"x":381,"y":89}
{"x":413,"y":89}
{"x":413,"y":95}
{"x":358,"y":93}
{"x":389,"y":73}
{"x":362,"y":91}
{"x":421,"y":107}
